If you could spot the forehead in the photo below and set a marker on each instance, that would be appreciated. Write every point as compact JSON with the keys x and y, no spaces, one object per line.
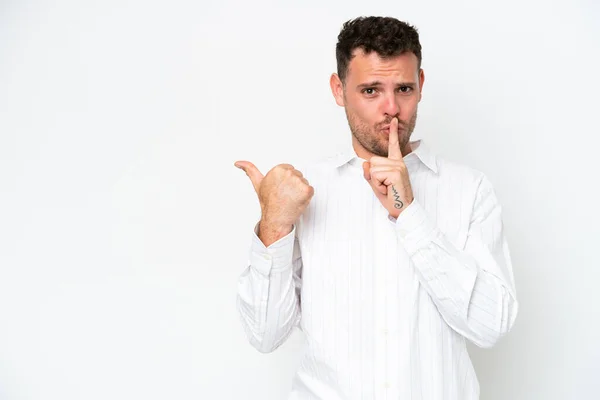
{"x":365,"y":66}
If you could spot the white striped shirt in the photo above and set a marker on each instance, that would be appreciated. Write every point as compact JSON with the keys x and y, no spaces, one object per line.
{"x":386,"y":305}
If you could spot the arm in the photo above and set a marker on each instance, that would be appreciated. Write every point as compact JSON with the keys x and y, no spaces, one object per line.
{"x":473,"y":288}
{"x":268,"y":299}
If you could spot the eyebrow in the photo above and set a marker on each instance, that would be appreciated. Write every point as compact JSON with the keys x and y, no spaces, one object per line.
{"x":378,"y":83}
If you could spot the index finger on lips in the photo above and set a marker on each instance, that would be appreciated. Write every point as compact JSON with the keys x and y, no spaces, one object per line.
{"x":394,"y":151}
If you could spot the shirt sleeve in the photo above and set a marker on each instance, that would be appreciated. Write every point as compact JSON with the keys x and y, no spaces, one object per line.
{"x":268,"y":299}
{"x":473,"y":288}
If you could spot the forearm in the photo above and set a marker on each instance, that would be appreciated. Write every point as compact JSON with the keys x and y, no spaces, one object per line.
{"x":472,"y":287}
{"x":473,"y":301}
{"x":267,"y":298}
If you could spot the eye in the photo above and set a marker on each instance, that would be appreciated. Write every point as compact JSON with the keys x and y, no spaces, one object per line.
{"x":369,"y":91}
{"x":405,"y":89}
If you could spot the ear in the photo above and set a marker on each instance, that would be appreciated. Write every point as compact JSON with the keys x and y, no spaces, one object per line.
{"x":337,"y":89}
{"x":421,"y":82}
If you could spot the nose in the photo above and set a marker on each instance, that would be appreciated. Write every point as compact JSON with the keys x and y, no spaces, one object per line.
{"x":391,"y":107}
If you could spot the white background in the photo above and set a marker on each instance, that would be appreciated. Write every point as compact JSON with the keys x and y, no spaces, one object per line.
{"x":124,"y":225}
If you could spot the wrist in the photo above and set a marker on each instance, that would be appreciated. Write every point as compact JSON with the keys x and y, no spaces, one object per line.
{"x":395,"y":212}
{"x":269,"y":232}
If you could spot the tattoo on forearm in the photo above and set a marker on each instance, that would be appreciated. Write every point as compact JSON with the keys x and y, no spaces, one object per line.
{"x":397,"y":202}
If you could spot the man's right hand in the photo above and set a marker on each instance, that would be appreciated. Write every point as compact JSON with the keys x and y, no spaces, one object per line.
{"x":283,"y":195}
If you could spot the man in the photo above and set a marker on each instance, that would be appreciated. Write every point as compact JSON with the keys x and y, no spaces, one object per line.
{"x":387,"y":256}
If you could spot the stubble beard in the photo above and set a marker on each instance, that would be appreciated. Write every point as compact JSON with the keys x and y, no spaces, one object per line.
{"x":370,"y":138}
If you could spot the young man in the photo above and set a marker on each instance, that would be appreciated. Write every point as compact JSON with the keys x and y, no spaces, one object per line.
{"x":387,"y":256}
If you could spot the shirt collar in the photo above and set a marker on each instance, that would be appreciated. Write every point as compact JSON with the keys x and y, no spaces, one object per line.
{"x":420,"y":150}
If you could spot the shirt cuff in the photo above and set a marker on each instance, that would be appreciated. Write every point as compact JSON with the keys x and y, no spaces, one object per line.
{"x":276,"y":257}
{"x":413,"y":227}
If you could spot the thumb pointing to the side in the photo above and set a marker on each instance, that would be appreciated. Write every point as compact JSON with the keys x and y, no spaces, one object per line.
{"x":253,"y":173}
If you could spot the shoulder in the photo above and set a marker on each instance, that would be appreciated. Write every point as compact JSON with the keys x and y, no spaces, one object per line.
{"x":317,"y":169}
{"x":459,"y":172}
{"x":459,"y":177}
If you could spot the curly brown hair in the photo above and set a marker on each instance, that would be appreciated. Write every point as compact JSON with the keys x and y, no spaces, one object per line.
{"x":387,"y":36}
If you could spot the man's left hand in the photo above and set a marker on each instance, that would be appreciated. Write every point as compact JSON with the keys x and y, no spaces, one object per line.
{"x":388,"y":177}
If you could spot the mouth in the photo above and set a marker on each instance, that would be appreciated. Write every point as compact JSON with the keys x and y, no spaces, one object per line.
{"x":387,"y":129}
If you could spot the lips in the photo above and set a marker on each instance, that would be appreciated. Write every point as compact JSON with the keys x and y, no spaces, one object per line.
{"x":387,"y":128}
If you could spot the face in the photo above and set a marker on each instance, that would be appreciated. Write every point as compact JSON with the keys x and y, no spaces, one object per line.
{"x":375,"y":91}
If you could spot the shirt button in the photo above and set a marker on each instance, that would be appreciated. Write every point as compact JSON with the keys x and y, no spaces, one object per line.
{"x":387,"y":385}
{"x":267,"y":256}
